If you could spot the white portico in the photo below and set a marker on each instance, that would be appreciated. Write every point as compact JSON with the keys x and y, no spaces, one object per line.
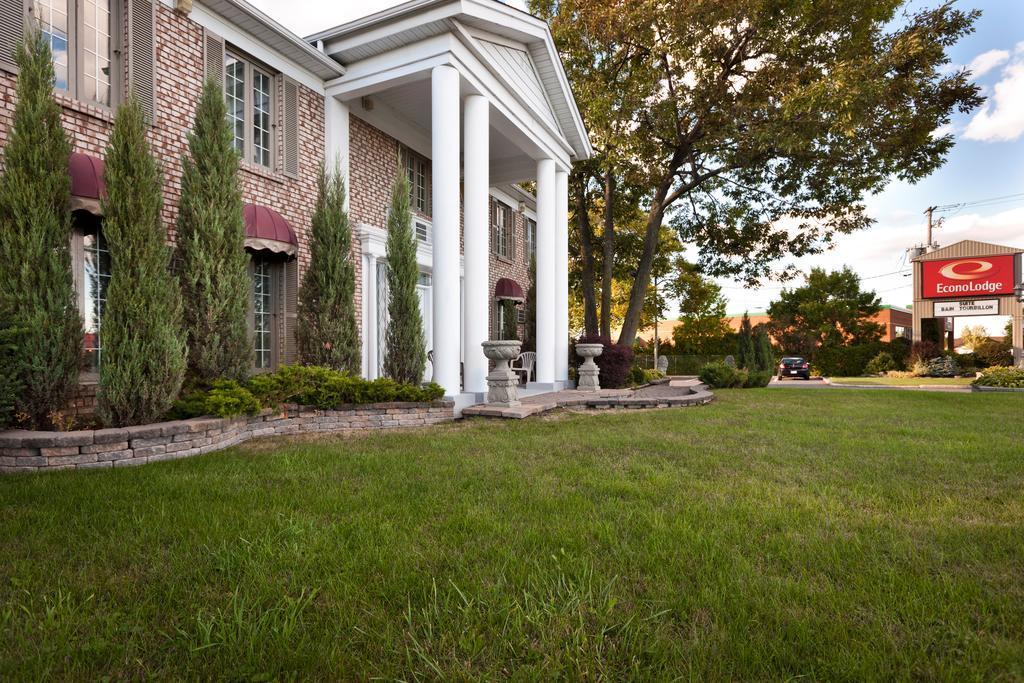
{"x":476,"y":88}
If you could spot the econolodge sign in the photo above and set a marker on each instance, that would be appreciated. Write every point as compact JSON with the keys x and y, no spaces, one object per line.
{"x":962,"y":278}
{"x":969,"y":307}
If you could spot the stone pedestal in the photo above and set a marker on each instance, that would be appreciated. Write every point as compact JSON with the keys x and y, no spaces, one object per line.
{"x":502,"y":383}
{"x":589,"y":372}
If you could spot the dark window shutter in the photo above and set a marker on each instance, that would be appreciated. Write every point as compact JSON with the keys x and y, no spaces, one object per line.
{"x":213,"y":57}
{"x":291,"y":128}
{"x":288,"y":317}
{"x":12,"y":26}
{"x":142,"y":54}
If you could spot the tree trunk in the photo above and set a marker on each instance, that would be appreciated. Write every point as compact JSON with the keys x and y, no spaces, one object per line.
{"x":590,"y":325}
{"x":608,"y":251}
{"x":631,"y":324}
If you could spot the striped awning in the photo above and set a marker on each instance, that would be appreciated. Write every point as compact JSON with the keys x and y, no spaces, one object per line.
{"x":267,"y":230}
{"x":509,"y":289}
{"x":87,"y":185}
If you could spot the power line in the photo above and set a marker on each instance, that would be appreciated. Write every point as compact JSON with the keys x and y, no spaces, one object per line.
{"x":989,"y":201}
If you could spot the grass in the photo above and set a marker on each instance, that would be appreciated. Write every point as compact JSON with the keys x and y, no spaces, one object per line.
{"x":904,"y":381}
{"x":770,"y":535}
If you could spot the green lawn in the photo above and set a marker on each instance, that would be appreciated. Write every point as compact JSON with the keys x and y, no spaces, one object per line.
{"x":904,"y":381}
{"x":771,"y":535}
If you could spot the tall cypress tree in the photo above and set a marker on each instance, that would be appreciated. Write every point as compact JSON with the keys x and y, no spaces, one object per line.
{"x":326,"y":332}
{"x":143,"y":350}
{"x":213,"y":268}
{"x":745,"y":344}
{"x":764,"y":354}
{"x":530,"y":331}
{"x":405,"y":359}
{"x":36,"y":286}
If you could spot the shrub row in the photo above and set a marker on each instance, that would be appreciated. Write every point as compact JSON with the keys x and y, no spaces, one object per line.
{"x":725,"y":376}
{"x":1008,"y":378}
{"x":316,"y":387}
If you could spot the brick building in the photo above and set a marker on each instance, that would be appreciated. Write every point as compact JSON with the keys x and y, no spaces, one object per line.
{"x":467,"y":97}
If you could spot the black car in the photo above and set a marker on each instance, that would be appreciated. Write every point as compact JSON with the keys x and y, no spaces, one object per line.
{"x":794,"y":366}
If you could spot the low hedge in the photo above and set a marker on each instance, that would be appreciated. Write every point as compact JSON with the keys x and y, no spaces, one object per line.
{"x":998,"y":376}
{"x":316,"y":387}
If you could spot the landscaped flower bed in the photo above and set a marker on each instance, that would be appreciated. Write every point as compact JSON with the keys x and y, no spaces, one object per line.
{"x":28,"y":451}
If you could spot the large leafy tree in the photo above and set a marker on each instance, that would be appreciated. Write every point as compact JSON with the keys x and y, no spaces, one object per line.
{"x":702,"y":324}
{"x":143,"y":347}
{"x":758,"y":127}
{"x":327,"y":334}
{"x":405,"y":359}
{"x":36,"y":287}
{"x":211,"y":246}
{"x":830,"y":309}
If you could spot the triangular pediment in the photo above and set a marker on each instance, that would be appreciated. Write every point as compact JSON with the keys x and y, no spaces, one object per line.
{"x":515,"y":66}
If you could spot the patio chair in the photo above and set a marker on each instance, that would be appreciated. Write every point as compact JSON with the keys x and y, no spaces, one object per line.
{"x":523,"y":365}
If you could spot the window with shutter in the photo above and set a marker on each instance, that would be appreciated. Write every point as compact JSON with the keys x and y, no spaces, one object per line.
{"x":289,"y":315}
{"x":291,"y":128}
{"x":142,"y":54}
{"x":12,"y":26}
{"x":213,"y":57}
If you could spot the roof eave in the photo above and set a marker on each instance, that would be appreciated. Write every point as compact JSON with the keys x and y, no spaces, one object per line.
{"x":289,"y":44}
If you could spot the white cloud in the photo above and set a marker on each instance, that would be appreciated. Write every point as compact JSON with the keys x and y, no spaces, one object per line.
{"x":987,"y":61}
{"x":1002,"y":117}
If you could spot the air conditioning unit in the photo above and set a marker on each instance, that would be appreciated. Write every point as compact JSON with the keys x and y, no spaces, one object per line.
{"x":421,"y":229}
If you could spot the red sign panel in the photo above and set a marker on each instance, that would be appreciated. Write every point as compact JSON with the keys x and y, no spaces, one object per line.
{"x":968,"y":277}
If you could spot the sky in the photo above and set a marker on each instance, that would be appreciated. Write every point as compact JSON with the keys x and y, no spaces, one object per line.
{"x":987,"y":162}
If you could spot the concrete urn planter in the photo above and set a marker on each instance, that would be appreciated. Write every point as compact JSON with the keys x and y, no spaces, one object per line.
{"x":502,"y":383}
{"x":589,"y":372}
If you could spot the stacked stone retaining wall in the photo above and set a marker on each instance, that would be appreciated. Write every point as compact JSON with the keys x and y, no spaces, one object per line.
{"x":30,"y":451}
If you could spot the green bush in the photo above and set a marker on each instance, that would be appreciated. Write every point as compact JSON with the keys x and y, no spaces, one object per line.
{"x":10,"y":371}
{"x":144,"y":352}
{"x":651,"y":375}
{"x":213,"y":264}
{"x":225,"y":398}
{"x":992,"y":353}
{"x":844,"y":361}
{"x":998,"y":376}
{"x":324,"y":388}
{"x":37,"y":294}
{"x":722,"y":376}
{"x":880,"y":364}
{"x":636,"y":376}
{"x":757,"y":379}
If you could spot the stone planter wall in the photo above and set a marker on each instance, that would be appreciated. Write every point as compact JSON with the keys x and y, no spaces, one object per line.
{"x":30,"y":451}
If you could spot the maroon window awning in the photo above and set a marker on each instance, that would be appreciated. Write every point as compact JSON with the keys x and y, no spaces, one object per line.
{"x":508,"y":289}
{"x":266,"y":229}
{"x":87,"y":184}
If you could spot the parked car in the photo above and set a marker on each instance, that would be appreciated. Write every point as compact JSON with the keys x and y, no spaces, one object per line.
{"x":794,"y":366}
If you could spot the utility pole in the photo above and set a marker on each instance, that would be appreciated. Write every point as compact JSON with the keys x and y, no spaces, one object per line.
{"x":928,"y":212}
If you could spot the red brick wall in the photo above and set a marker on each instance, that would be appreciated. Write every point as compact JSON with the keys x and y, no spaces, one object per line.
{"x":373,"y":165}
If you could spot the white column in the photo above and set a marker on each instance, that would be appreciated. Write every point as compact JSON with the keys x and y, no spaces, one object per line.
{"x":370,"y":306}
{"x":546,"y":351}
{"x":476,"y":161}
{"x":444,"y":109}
{"x":561,"y":276}
{"x":336,"y":137}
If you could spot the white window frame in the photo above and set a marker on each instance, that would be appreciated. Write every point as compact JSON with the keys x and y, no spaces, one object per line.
{"x":418,"y":168}
{"x":249,"y":68}
{"x":274,"y":273}
{"x":503,"y":226}
{"x":76,"y":48}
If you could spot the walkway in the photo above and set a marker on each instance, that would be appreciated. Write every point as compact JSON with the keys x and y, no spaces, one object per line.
{"x":668,"y":393}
